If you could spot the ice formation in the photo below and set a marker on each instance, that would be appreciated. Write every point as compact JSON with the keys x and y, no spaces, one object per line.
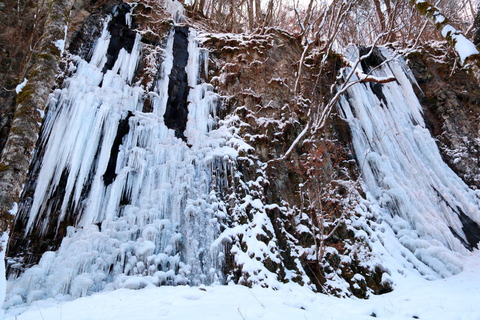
{"x":431,"y":211}
{"x":145,"y":202}
{"x":145,"y":199}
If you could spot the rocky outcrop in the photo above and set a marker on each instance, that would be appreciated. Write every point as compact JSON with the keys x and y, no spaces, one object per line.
{"x":451,"y":100}
{"x":307,"y":194}
{"x":30,"y":107}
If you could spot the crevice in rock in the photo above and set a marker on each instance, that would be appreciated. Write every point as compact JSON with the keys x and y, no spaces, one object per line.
{"x":122,"y":131}
{"x":122,"y":37}
{"x":176,"y":113}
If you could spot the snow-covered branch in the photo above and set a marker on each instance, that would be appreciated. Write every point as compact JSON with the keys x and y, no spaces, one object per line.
{"x":363,"y":77}
{"x":466,"y":50}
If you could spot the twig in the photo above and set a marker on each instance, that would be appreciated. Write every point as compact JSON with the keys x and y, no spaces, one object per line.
{"x":241,"y":315}
{"x":40,"y":311}
{"x":256,"y":299}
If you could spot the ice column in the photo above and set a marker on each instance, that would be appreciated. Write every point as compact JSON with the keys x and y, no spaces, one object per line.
{"x":430,"y":208}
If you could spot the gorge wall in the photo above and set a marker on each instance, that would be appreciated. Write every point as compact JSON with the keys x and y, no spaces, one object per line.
{"x":451,"y":102}
{"x":161,"y":161}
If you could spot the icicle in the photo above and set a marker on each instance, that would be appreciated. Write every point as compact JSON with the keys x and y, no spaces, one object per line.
{"x":146,"y":212}
{"x":403,"y":171}
{"x":85,"y":117}
{"x":202,"y":99}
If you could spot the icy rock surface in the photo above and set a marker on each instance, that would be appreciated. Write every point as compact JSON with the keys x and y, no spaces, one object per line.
{"x":155,"y":219}
{"x":430,"y":212}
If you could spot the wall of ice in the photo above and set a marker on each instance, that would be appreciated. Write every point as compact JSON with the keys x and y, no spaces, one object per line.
{"x":430,"y":211}
{"x":145,"y":204}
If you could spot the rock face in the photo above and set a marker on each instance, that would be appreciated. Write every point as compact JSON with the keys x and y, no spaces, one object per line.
{"x":452,"y":108}
{"x":177,"y":106}
{"x":11,"y":59}
{"x":302,"y":202}
{"x":268,"y":218}
{"x":272,"y":222}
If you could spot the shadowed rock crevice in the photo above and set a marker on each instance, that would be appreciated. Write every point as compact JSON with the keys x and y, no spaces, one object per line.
{"x":122,"y":131}
{"x":471,"y":230}
{"x":176,"y":113}
{"x":122,"y":37}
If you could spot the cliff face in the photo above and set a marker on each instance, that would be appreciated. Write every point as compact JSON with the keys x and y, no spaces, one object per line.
{"x":158,"y":179}
{"x":452,"y":108}
{"x":19,"y":33}
{"x":312,"y":191}
{"x":286,"y":207}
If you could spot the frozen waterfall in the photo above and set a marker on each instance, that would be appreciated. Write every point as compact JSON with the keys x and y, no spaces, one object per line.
{"x":430,"y":209}
{"x":133,"y":166}
{"x":145,"y":203}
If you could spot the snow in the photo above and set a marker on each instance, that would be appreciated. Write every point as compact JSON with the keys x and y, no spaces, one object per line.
{"x":175,"y":9}
{"x":13,"y":211}
{"x":21,"y":85}
{"x":414,"y":297}
{"x":60,"y":43}
{"x":464,"y":47}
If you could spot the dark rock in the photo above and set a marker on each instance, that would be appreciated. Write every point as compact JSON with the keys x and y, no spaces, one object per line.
{"x":122,"y":37}
{"x":373,"y":60}
{"x":176,"y":113}
{"x":122,"y":131}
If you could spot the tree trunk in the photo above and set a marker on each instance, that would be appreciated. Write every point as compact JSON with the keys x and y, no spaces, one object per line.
{"x":380,"y":16}
{"x":476,"y":26}
{"x":251,"y":16}
{"x":231,"y":20}
{"x":258,"y":13}
{"x":219,"y":10}
{"x":268,"y":15}
{"x":201,"y":6}
{"x":467,"y":52}
{"x":308,"y":15}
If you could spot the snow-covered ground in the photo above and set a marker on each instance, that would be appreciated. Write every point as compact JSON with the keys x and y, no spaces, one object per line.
{"x":457,"y":297}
